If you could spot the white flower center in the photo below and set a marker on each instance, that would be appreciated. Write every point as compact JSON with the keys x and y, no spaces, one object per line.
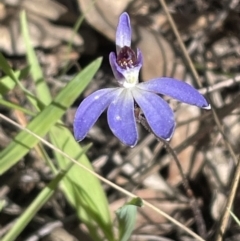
{"x":131,"y":77}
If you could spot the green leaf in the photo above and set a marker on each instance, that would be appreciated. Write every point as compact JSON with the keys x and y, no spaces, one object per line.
{"x":14,"y":106}
{"x":126,"y":216}
{"x":42,"y":123}
{"x":82,"y":189}
{"x":6,"y":67}
{"x":42,"y":89}
{"x":7,"y":83}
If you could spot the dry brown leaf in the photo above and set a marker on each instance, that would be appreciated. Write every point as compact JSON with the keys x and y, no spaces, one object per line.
{"x":218,"y":205}
{"x":158,"y":55}
{"x":59,"y":234}
{"x":44,"y":8}
{"x":233,"y":128}
{"x":218,"y":171}
{"x":218,"y":167}
{"x":3,"y":11}
{"x":5,"y":40}
{"x":103,"y":15}
{"x":43,"y":33}
{"x":184,"y":113}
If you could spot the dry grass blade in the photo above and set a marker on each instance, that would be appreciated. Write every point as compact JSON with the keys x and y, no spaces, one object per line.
{"x":181,"y":44}
{"x":220,"y":85}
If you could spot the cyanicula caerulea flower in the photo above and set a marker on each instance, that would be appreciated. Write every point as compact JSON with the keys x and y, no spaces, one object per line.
{"x":126,"y":64}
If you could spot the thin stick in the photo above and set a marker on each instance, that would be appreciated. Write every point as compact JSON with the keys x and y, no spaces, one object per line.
{"x":113,"y":185}
{"x":181,"y":44}
{"x":230,"y":200}
{"x":220,"y":85}
{"x":201,"y":227}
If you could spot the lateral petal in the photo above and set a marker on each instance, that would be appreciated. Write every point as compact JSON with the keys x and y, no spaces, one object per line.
{"x":139,"y":57}
{"x":117,"y":71}
{"x":121,"y":118}
{"x":176,"y":89}
{"x":157,"y":112}
{"x":90,"y":109}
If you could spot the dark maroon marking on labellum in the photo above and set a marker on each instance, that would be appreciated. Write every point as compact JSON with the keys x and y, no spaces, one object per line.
{"x":127,"y":58}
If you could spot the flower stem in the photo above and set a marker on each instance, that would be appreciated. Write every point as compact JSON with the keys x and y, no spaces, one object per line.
{"x":200,"y":223}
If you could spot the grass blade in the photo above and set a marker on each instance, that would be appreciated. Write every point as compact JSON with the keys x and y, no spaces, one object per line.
{"x":7,"y":83}
{"x":42,"y":89}
{"x":42,"y":123}
{"x":14,"y":106}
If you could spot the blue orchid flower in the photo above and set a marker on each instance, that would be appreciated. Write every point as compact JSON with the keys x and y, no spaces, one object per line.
{"x":121,"y":101}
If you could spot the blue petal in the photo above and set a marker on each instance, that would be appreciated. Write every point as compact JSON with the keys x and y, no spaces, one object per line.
{"x":176,"y":89}
{"x":139,"y":57}
{"x":115,"y":68}
{"x":158,"y":114}
{"x":121,"y":118}
{"x":124,"y":32}
{"x":90,"y":109}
